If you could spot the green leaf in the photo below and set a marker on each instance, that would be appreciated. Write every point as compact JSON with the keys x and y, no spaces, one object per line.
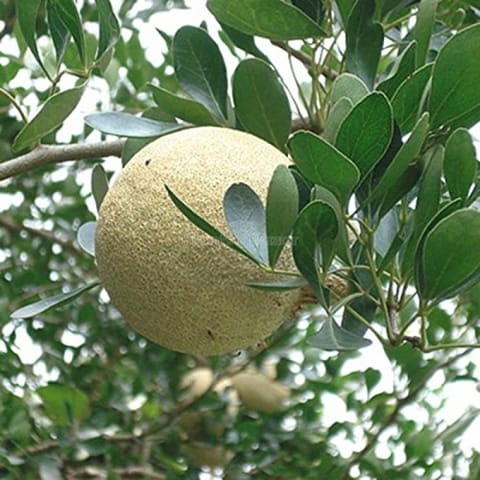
{"x":273,"y":19}
{"x":127,"y":125}
{"x":455,"y":97}
{"x":406,"y":155}
{"x":348,"y":86}
{"x":60,"y":33}
{"x":430,"y":187}
{"x":36,"y":308}
{"x":245,"y":216}
{"x":27,"y":13}
{"x":182,"y":107}
{"x":423,"y":30}
{"x":132,"y":146}
{"x":316,"y":227}
{"x":86,"y":237}
{"x":244,"y":42}
{"x":261,"y":103}
{"x":404,"y":66}
{"x":335,"y":338}
{"x":281,"y":211}
{"x":326,"y":196}
{"x":336,"y":115}
{"x":322,"y":164}
{"x":427,"y":201}
{"x":408,"y":100}
{"x":364,"y":38}
{"x":206,"y":227}
{"x":450,"y":254}
{"x":99,"y":184}
{"x":314,"y":9}
{"x":365,"y":134}
{"x":200,"y":69}
{"x":52,"y":114}
{"x":345,"y":8}
{"x":71,"y":18}
{"x":460,"y":164}
{"x":109,"y":28}
{"x":279,"y":285}
{"x":444,"y":211}
{"x":64,"y":405}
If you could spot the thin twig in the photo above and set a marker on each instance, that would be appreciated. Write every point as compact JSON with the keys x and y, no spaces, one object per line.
{"x":14,"y":227}
{"x":50,"y":154}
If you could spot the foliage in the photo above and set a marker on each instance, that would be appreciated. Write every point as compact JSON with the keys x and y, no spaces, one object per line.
{"x":382,"y":197}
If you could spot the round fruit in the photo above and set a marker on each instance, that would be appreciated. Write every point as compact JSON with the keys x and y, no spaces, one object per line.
{"x":260,"y":393}
{"x":173,"y":283}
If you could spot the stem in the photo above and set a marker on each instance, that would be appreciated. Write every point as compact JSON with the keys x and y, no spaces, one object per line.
{"x":12,"y":100}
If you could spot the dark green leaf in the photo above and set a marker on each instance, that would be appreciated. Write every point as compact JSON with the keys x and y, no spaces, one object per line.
{"x":460,"y":165}
{"x":430,"y":185}
{"x":315,"y":9}
{"x":60,"y":33}
{"x":423,"y":29}
{"x":55,"y":110}
{"x":281,"y":211}
{"x":71,"y":18}
{"x":345,"y":8}
{"x":182,"y":107}
{"x":336,"y":115}
{"x":86,"y":237}
{"x":450,"y":254}
{"x":279,"y":285}
{"x":348,"y":86}
{"x":245,"y":216}
{"x":364,"y":39}
{"x":64,"y":404}
{"x":315,"y":229}
{"x":447,"y":209}
{"x":335,"y":338}
{"x":455,"y":97}
{"x":127,"y":125}
{"x":365,"y":134}
{"x":132,"y":146}
{"x":109,"y":28}
{"x":408,"y":100}
{"x":427,"y":201}
{"x":326,"y":196}
{"x":406,"y":155}
{"x":200,"y":69}
{"x":27,"y":12}
{"x":244,"y":41}
{"x":36,"y":308}
{"x":99,"y":184}
{"x":206,"y":227}
{"x":404,"y":67}
{"x":274,"y":19}
{"x":322,"y":164}
{"x":261,"y":103}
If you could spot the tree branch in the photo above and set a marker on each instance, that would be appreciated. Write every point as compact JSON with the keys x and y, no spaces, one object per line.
{"x":14,"y":227}
{"x":50,"y":154}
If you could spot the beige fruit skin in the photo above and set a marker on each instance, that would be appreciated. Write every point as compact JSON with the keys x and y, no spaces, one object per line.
{"x":260,"y":393}
{"x":173,"y":283}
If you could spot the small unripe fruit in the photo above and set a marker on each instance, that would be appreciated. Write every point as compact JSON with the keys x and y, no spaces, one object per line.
{"x":258,"y":392}
{"x":172,"y":282}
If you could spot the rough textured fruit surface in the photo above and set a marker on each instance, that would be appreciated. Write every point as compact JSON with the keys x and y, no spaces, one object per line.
{"x":173,"y":283}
